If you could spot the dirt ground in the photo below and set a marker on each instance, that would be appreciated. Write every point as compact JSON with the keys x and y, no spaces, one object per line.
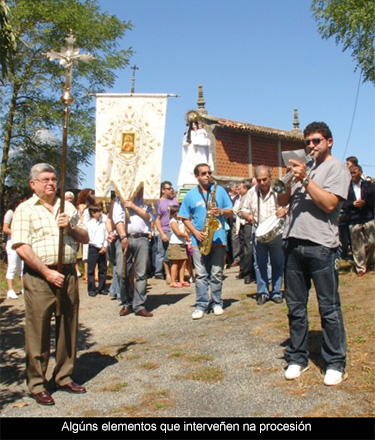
{"x":172,"y":366}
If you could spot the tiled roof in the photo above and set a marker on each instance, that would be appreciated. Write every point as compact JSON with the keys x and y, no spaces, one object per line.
{"x":254,"y":129}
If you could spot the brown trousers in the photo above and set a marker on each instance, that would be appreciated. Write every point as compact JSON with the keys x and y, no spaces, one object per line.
{"x":40,"y":303}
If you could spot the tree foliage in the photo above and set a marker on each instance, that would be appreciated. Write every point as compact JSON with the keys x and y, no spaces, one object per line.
{"x":8,"y":43}
{"x":352,"y":24}
{"x":30,"y":94}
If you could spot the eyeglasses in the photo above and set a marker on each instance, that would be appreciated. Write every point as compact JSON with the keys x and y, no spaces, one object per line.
{"x":47,"y":181}
{"x":204,"y":173}
{"x":169,"y":188}
{"x":315,"y":141}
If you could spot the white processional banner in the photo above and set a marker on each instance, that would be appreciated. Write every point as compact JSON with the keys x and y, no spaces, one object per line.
{"x":129,"y":145}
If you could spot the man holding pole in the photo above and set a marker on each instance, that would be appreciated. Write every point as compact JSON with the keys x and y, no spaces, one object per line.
{"x":35,"y":236}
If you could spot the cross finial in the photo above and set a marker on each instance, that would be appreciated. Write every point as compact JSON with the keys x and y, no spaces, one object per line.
{"x":134,"y":68}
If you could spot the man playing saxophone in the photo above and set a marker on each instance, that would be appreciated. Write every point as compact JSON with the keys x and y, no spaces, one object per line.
{"x":201,"y":206}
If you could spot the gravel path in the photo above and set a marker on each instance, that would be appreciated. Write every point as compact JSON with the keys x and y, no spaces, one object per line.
{"x":172,"y":366}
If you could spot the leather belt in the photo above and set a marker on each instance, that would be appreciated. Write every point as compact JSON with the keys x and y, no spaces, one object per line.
{"x":138,"y":235}
{"x":64,"y":266}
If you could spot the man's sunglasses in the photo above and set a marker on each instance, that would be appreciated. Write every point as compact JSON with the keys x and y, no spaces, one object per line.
{"x":204,"y":173}
{"x":315,"y":141}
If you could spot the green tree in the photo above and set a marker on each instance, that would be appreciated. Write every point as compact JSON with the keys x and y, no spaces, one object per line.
{"x":352,"y":24}
{"x":8,"y":43}
{"x":30,"y":103}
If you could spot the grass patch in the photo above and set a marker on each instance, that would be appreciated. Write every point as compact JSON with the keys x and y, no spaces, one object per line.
{"x":114,"y":386}
{"x":152,"y":403}
{"x":150,"y":365}
{"x":206,"y":374}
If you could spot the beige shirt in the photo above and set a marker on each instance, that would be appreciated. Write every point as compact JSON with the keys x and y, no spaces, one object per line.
{"x":35,"y":225}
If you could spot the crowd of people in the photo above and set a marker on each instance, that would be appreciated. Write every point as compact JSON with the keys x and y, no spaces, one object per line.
{"x":193,"y":242}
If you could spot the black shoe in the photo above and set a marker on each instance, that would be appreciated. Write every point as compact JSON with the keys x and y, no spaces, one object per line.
{"x":247,"y":280}
{"x":262,"y":299}
{"x":103,"y":292}
{"x":159,"y":277}
{"x":93,"y":293}
{"x":239,"y":276}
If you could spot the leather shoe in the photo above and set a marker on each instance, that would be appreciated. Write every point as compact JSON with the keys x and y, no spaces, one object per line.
{"x":43,"y":398}
{"x":73,"y":387}
{"x":125,"y":310}
{"x":144,"y":313}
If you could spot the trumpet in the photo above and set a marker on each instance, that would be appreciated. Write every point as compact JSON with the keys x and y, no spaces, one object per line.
{"x":280,"y":186}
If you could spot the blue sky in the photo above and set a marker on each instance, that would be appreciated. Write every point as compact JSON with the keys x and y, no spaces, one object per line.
{"x":257,"y":60}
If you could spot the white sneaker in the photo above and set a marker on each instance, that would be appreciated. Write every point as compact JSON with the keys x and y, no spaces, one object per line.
{"x":218,"y":310}
{"x":197,"y":314}
{"x":333,"y":377}
{"x":12,"y":294}
{"x":294,"y":371}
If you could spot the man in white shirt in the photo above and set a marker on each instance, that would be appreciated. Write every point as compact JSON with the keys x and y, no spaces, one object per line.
{"x":263,"y":204}
{"x":134,"y":230}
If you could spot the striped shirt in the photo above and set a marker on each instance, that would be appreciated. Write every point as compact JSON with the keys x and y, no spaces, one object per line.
{"x":268,"y":205}
{"x":35,"y":225}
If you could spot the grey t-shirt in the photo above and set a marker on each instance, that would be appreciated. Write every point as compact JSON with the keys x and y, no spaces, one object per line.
{"x":305,"y":220}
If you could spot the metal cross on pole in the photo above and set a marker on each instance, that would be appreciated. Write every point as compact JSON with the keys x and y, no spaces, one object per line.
{"x":133,"y":78}
{"x":68,"y":56}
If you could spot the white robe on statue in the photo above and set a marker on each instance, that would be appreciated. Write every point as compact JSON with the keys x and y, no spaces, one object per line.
{"x":198,"y":151}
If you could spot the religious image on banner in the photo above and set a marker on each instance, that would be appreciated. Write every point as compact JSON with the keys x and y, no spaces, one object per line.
{"x":129,"y":145}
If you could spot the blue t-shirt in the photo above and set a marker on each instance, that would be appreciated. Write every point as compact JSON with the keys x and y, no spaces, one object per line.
{"x":194,"y":208}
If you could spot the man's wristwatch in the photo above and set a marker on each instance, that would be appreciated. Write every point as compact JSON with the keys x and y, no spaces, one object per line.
{"x":122,"y":237}
{"x":306,"y":181}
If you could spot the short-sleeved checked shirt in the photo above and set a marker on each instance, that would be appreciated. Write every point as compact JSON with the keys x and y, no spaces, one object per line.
{"x":34,"y":224}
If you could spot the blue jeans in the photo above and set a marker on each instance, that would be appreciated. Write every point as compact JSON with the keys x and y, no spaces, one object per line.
{"x":161,"y":254}
{"x":269,"y":252}
{"x":208,"y":274}
{"x":306,"y":261}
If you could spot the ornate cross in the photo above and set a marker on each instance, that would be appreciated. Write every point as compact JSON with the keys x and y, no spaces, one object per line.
{"x":68,"y":56}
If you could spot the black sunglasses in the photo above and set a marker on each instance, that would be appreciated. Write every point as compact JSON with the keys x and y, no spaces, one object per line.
{"x":204,"y":173}
{"x":315,"y":141}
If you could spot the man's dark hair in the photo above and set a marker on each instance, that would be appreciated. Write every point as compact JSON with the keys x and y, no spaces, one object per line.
{"x":166,"y":182}
{"x":318,"y":127}
{"x":196,"y":168}
{"x":352,"y":159}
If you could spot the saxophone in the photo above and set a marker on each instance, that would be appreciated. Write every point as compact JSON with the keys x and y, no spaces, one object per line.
{"x":211,"y":224}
